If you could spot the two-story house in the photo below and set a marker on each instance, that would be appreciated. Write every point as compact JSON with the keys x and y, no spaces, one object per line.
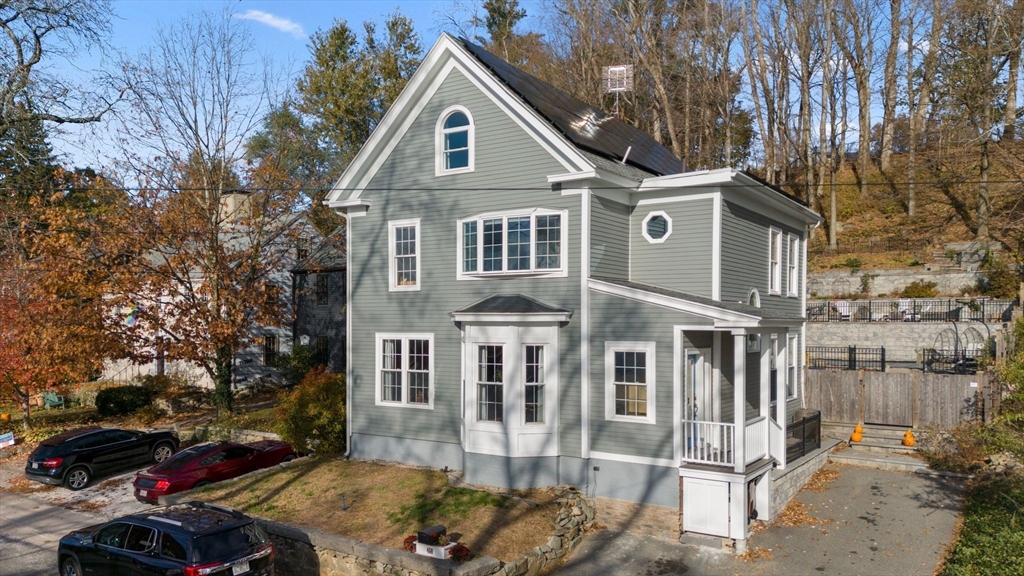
{"x":318,"y":298}
{"x":539,"y":296}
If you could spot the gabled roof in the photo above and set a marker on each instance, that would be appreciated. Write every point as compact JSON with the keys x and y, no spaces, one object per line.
{"x":329,"y":255}
{"x":587,"y":127}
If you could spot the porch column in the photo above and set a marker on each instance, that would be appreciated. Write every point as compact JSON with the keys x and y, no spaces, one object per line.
{"x":766,"y":376}
{"x":781,"y":362}
{"x":739,"y":399}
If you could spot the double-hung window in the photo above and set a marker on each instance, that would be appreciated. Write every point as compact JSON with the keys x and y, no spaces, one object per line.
{"x":774,"y":261}
{"x":534,"y":385}
{"x":322,"y":289}
{"x":490,"y":383}
{"x":404,"y":255}
{"x":794,"y":259}
{"x":405,"y":370}
{"x":270,"y":349}
{"x":531,"y":242}
{"x":630,"y":381}
{"x":454,"y":142}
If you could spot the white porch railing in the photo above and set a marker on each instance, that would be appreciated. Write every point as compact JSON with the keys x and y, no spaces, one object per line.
{"x":776,"y":440}
{"x":755,"y":439}
{"x":708,"y":442}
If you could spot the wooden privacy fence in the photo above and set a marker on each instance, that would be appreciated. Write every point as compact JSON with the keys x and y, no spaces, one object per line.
{"x":912,"y":399}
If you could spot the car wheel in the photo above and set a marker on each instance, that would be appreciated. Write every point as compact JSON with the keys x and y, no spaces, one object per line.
{"x":70,"y":568}
{"x":201,"y":483}
{"x":288,"y":458}
{"x":162,"y":452}
{"x":77,"y":478}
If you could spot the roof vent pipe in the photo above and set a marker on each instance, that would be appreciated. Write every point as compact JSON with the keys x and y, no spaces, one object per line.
{"x":626,"y":155}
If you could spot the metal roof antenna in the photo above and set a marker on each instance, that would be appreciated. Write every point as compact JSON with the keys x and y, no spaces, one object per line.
{"x":616,"y":79}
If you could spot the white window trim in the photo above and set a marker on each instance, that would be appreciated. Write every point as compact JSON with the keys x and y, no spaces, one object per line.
{"x":439,"y":142}
{"x":775,"y":277}
{"x":668,"y":231}
{"x":392,"y":271}
{"x":610,"y":348}
{"x":404,"y":337}
{"x":561,"y":272}
{"x":792,"y":354}
{"x":793,"y":266}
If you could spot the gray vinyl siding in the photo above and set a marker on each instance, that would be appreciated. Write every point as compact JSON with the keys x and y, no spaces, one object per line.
{"x":684,"y":260}
{"x":328,"y":320}
{"x":405,"y":187}
{"x":623,"y":320}
{"x":609,"y":238}
{"x":745,"y":258}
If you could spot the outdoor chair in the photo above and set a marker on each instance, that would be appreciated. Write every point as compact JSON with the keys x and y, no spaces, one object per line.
{"x":52,"y":399}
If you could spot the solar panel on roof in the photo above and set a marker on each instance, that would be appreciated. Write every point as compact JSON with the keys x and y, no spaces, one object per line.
{"x":585,"y":126}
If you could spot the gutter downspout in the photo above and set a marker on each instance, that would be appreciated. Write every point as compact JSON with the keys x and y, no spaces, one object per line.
{"x":348,"y":336}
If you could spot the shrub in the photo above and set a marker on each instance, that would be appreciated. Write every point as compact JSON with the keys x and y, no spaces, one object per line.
{"x":920,"y":289}
{"x":149,"y":414}
{"x":122,"y":400}
{"x":295,"y":365}
{"x":409,"y":543}
{"x":158,"y":385}
{"x":312,"y":416}
{"x":999,"y":281}
{"x":853,"y":263}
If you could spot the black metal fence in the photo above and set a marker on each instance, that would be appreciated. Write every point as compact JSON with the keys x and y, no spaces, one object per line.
{"x":803,"y":436}
{"x":911,"y":310}
{"x":958,"y":361}
{"x":871,"y":245}
{"x":846,"y":358}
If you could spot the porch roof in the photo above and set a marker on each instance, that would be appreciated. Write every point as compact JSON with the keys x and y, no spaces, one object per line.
{"x":511,"y":306}
{"x":720,"y":311}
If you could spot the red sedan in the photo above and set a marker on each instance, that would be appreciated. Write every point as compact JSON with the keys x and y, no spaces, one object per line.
{"x":207,"y":463}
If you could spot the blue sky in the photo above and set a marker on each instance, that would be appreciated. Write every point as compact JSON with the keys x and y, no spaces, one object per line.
{"x":282,"y":29}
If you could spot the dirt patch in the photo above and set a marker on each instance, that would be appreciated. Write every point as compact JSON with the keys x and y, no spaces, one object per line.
{"x":821,"y":479}
{"x":800,"y":514}
{"x":757,"y":553}
{"x":382,"y":504}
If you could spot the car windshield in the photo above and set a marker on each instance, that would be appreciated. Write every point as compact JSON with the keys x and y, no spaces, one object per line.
{"x":228,"y":544}
{"x":181,"y":459}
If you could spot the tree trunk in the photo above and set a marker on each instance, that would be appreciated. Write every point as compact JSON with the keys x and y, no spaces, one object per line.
{"x":224,"y":372}
{"x":1012,"y":85}
{"x":983,"y":194}
{"x":889,"y":81}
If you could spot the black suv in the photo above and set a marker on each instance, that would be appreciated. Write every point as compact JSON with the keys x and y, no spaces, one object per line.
{"x":73,"y":458}
{"x":189,"y":539}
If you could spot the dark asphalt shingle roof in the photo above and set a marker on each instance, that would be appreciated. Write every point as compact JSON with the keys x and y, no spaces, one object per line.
{"x":765,"y":313}
{"x":511,"y":304}
{"x":585,"y":126}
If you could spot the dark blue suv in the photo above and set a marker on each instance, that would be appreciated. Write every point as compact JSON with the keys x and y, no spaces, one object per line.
{"x":194,"y":539}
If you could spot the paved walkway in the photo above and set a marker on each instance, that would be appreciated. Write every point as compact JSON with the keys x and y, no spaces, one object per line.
{"x":865,"y":522}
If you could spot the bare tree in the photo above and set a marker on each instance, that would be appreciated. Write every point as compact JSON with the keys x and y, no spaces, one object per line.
{"x":856,"y":38}
{"x":34,"y":32}
{"x":889,"y":84}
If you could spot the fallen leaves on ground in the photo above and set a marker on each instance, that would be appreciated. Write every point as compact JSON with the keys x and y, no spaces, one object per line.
{"x":821,"y":479}
{"x":87,"y":505}
{"x":757,"y":553}
{"x":22,"y":485}
{"x":799,"y":514}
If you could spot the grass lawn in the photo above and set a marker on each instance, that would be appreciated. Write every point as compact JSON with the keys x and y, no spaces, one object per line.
{"x":387,"y":503}
{"x":992,"y":537}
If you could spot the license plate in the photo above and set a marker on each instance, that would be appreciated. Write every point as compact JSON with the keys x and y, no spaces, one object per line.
{"x":142,"y":493}
{"x":35,"y":464}
{"x":240,"y":568}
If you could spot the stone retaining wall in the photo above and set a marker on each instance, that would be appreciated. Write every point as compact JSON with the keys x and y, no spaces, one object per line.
{"x":240,"y":435}
{"x":903,"y":341}
{"x":787,"y":483}
{"x":885,"y":281}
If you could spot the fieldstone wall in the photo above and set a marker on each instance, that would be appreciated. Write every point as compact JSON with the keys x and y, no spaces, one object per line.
{"x":787,"y":483}
{"x":240,"y":435}
{"x":310,"y":552}
{"x":903,"y":341}
{"x":883,"y":282}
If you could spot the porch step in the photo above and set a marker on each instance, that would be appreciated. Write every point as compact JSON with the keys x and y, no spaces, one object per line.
{"x":883,"y":446}
{"x":898,"y":463}
{"x":843,"y":431}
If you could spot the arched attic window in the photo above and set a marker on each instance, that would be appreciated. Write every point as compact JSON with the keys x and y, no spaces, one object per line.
{"x":754,"y":299}
{"x":454,"y":142}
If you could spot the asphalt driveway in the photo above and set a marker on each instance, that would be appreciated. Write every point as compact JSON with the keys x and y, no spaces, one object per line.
{"x":865,"y":521}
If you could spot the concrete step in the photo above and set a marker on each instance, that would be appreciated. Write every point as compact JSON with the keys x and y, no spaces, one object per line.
{"x":881,"y":447}
{"x":900,"y":463}
{"x":843,"y":431}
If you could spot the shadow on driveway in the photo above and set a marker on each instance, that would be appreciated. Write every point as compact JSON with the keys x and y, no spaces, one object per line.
{"x":865,"y":522}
